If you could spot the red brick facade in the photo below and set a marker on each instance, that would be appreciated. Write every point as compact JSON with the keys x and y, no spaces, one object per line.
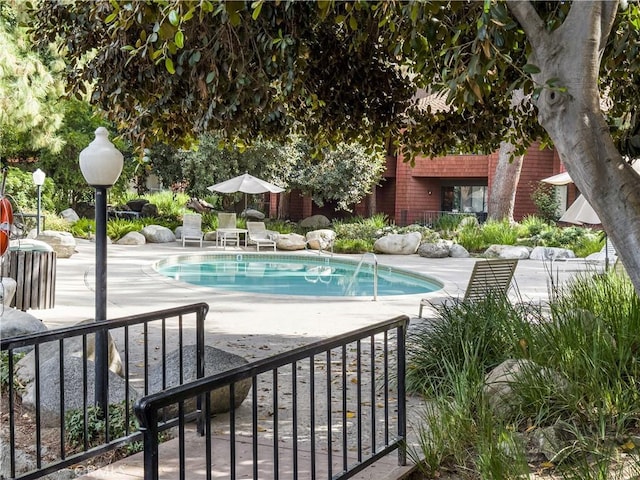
{"x":407,"y":193}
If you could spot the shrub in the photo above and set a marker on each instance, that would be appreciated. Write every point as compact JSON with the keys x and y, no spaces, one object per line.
{"x":546,"y":202}
{"x":470,"y":237}
{"x":348,"y":245}
{"x":499,"y":233}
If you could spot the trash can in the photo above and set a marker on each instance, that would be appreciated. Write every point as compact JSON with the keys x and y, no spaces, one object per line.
{"x":35,"y":275}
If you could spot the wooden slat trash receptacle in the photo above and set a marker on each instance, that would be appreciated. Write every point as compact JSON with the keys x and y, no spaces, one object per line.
{"x":35,"y":274}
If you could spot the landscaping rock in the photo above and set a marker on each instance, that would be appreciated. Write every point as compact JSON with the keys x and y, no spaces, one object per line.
{"x":50,"y":408}
{"x":24,"y":461}
{"x":62,"y":243}
{"x":550,"y":253}
{"x":132,"y":238}
{"x":149,"y":210}
{"x":8,"y":288}
{"x":14,"y":323}
{"x":253,"y":214}
{"x":137,"y":204}
{"x":290,"y":241}
{"x":398,"y":244}
{"x":210,"y":236}
{"x":215,"y":361}
{"x":507,"y":251}
{"x":438,"y":249}
{"x":158,"y":234}
{"x":321,"y":239}
{"x":70,"y":215}
{"x":458,"y":251}
{"x":315,"y":222}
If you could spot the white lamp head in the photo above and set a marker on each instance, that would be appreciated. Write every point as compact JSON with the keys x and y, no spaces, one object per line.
{"x":38,"y":177}
{"x":101,"y":162}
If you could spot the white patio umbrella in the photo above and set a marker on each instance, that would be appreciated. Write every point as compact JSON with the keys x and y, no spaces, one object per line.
{"x":559,"y":179}
{"x":246,"y":184}
{"x":580,"y":212}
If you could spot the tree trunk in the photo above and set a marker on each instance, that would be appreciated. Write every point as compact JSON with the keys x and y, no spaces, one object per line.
{"x":576,"y":124}
{"x":371,"y":202}
{"x":502,"y":196}
{"x":283,"y":205}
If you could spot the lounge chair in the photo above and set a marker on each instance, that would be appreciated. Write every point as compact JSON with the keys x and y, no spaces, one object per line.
{"x":227,"y":221}
{"x":192,"y":228}
{"x":258,"y":235}
{"x":488,"y":277}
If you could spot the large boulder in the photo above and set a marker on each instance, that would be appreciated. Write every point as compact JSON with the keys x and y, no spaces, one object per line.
{"x":132,"y":238}
{"x":14,"y":323}
{"x":508,"y":251}
{"x":70,"y":215}
{"x":62,"y":243}
{"x":136,"y":204}
{"x":315,"y":222}
{"x":158,"y":234}
{"x":550,"y":253}
{"x":149,"y":210}
{"x":50,"y":408}
{"x":251,"y":214}
{"x":322,"y":239}
{"x":215,"y":361}
{"x":290,"y":241}
{"x":439,"y":249}
{"x":398,"y":244}
{"x":458,"y":251}
{"x":8,"y":288}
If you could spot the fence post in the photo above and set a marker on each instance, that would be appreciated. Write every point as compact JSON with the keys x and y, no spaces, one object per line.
{"x":402,"y":393}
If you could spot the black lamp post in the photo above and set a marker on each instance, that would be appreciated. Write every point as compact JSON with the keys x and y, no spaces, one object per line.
{"x":38,"y":180}
{"x":101,"y":165}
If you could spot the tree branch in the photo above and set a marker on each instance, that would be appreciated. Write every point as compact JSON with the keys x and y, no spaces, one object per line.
{"x":530,"y":22}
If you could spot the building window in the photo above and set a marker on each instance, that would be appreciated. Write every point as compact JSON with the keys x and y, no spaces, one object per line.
{"x":464,"y":198}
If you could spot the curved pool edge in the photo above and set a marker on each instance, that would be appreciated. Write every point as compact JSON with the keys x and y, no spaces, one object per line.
{"x":151,"y":269}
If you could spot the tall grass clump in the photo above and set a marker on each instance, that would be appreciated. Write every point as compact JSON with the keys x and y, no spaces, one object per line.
{"x":470,"y":237}
{"x":577,"y":384}
{"x":499,"y":232}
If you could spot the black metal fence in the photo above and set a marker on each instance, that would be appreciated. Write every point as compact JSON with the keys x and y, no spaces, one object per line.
{"x":326,"y":410}
{"x":139,"y":343}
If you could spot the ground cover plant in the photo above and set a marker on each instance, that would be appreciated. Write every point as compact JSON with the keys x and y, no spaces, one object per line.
{"x":572,"y":409}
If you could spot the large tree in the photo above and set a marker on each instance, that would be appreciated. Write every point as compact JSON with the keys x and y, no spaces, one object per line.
{"x":340,"y":70}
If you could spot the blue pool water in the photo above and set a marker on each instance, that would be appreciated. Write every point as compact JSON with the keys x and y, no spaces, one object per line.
{"x":293,"y":275}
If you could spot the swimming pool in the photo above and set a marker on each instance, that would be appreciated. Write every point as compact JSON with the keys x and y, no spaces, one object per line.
{"x":293,"y":275}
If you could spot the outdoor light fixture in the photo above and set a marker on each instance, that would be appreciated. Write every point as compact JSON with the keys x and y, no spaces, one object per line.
{"x":38,"y":181}
{"x":101,"y":165}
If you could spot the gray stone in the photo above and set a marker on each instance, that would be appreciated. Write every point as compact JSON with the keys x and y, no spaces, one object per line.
{"x":14,"y":323}
{"x":158,"y":234}
{"x":50,"y":407}
{"x":434,"y":250}
{"x":315,"y":222}
{"x":62,"y":243}
{"x":507,"y":251}
{"x":253,"y":214}
{"x":8,"y":288}
{"x":550,"y":253}
{"x":210,"y":236}
{"x":24,"y":461}
{"x":290,"y":241}
{"x":458,"y":251}
{"x":25,"y":368}
{"x":70,"y":215}
{"x":132,"y":238}
{"x":398,"y":244}
{"x":322,"y":239}
{"x":137,"y":204}
{"x":215,"y":361}
{"x":29,"y":245}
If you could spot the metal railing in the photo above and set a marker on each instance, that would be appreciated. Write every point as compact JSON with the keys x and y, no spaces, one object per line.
{"x":374,"y":273}
{"x":154,"y":334}
{"x":329,"y":408}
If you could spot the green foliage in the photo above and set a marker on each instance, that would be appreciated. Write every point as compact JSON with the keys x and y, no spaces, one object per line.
{"x":360,"y":228}
{"x":4,"y":369}
{"x":470,"y":237}
{"x":583,"y":380}
{"x":500,"y":232}
{"x":353,"y":245}
{"x":447,"y":222}
{"x":533,"y":225}
{"x":83,"y":228}
{"x":546,"y":202}
{"x":170,"y":204}
{"x":74,"y":422}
